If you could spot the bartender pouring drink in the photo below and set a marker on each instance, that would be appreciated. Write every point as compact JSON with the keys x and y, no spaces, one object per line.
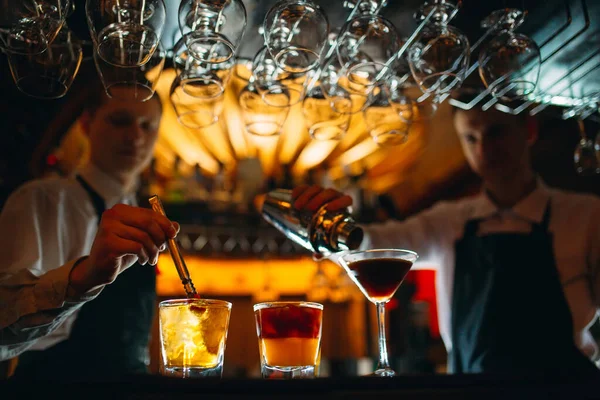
{"x":518,"y":265}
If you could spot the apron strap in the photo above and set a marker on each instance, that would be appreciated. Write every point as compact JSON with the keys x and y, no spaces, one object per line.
{"x":546,"y":219}
{"x":97,"y":200}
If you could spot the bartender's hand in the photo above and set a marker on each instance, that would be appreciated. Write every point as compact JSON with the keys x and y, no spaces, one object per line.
{"x":312,"y":198}
{"x":125,"y":235}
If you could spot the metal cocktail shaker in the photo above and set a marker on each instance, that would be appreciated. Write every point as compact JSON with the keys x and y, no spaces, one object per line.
{"x":321,"y":232}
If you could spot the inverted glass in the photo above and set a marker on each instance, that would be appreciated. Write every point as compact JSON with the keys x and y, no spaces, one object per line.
{"x":384,"y":122}
{"x":509,"y":64}
{"x":135,"y":83}
{"x":200,"y":79}
{"x":48,"y":75}
{"x":194,"y":112}
{"x":295,"y":33}
{"x":213,"y":28}
{"x":126,"y":33}
{"x":324,"y":122}
{"x":263,"y":118}
{"x":29,"y":26}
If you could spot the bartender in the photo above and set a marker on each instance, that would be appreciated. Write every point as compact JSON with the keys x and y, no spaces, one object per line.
{"x":518,"y":265}
{"x":77,"y":278}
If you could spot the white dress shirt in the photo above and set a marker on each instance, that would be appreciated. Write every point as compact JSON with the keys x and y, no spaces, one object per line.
{"x":46,"y":226}
{"x":574,"y":223}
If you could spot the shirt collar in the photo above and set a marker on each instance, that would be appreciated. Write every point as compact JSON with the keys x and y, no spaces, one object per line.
{"x":110,"y":189}
{"x":530,"y":208}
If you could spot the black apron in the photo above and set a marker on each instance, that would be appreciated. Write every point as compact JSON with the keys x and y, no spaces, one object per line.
{"x":509,"y":311}
{"x":110,"y":335}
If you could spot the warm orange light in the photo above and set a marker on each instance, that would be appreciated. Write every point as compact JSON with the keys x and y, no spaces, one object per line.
{"x":358,"y":152}
{"x":240,"y":277}
{"x":294,"y":135}
{"x":313,"y":154}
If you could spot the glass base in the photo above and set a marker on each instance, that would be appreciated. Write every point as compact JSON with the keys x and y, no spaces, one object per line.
{"x":384,"y":372}
{"x":298,"y":372}
{"x":193,"y":372}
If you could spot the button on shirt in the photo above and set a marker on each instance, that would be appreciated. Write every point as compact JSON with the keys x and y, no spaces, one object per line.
{"x":574,"y":224}
{"x":46,"y":226}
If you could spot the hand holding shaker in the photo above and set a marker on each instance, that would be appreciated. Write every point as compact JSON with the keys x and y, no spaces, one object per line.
{"x":322,"y":232}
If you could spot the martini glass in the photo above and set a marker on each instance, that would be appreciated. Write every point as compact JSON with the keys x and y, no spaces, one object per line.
{"x":378,"y":273}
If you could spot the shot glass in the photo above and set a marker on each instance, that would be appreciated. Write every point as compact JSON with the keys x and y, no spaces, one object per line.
{"x":289,"y":338}
{"x":193,"y":333}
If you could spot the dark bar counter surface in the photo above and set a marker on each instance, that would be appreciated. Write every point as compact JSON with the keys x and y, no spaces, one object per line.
{"x":481,"y":387}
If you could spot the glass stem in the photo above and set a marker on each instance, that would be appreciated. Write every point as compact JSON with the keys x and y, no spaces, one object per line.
{"x":383,"y":354}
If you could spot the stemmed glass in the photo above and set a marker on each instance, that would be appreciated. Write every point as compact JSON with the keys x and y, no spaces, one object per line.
{"x":325,"y":122}
{"x":271,"y":81}
{"x":213,"y":28}
{"x":378,"y":273}
{"x":200,"y":79}
{"x":439,"y":56}
{"x":387,"y":124}
{"x":365,"y":44}
{"x":192,"y":111}
{"x":29,"y":26}
{"x":48,"y":75}
{"x":509,"y":65}
{"x":133,"y":83}
{"x":404,"y":91}
{"x":126,"y":33}
{"x":263,"y":118}
{"x":295,"y":33}
{"x":334,"y":86}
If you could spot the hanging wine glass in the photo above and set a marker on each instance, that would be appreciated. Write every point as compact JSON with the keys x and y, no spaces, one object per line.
{"x":262,"y":118}
{"x":29,"y":26}
{"x":405,"y":95}
{"x":325,"y":122}
{"x":215,"y":28}
{"x":48,"y":75}
{"x":295,"y":33}
{"x":509,"y":65}
{"x":125,"y":33}
{"x":398,"y":99}
{"x":194,"y":112}
{"x":198,"y":78}
{"x":334,"y":86}
{"x":133,"y":83}
{"x":365,"y":44}
{"x":586,"y":162}
{"x":439,"y":56}
{"x":384,"y":123}
{"x":271,"y":81}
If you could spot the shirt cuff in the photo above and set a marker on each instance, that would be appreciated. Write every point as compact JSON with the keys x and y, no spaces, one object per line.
{"x":51,"y":290}
{"x":87,"y":296}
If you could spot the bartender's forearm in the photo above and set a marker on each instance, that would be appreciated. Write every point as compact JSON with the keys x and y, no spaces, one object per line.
{"x":31,"y":306}
{"x":16,"y":338}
